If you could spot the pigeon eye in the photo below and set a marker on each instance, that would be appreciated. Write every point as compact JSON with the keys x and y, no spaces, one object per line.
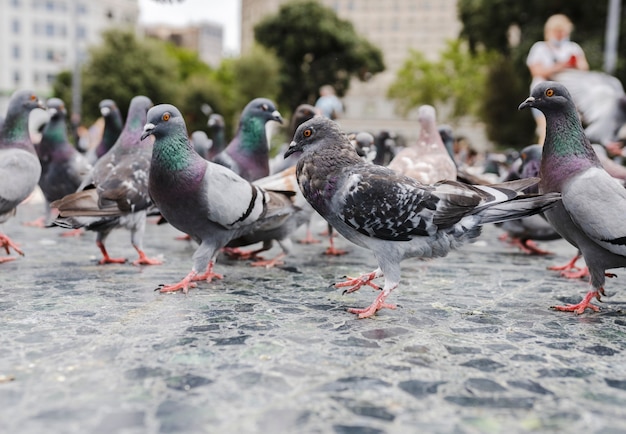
{"x":33,"y":98}
{"x":265,"y":107}
{"x":166,"y":117}
{"x":307,"y":132}
{"x":549,"y":92}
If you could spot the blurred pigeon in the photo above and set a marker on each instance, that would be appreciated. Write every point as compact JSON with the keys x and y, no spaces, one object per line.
{"x":201,"y":143}
{"x":115,"y":194}
{"x":19,"y":166}
{"x":447,"y":137}
{"x":427,"y":160}
{"x":363,"y":142}
{"x":113,"y":125}
{"x":218,"y":135}
{"x":63,"y":168}
{"x":209,"y":202}
{"x":591,"y":213}
{"x":386,"y":147}
{"x":303,"y":113}
{"x":600,"y":99}
{"x":248,"y":153}
{"x":393,"y":215}
{"x":524,"y":232}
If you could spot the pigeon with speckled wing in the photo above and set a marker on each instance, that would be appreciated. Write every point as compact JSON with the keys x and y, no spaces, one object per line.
{"x":19,"y":166}
{"x":209,"y":202}
{"x":591,"y":213}
{"x":115,"y":193}
{"x":395,"y":216}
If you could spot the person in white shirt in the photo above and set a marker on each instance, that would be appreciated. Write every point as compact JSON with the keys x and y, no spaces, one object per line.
{"x":553,"y":55}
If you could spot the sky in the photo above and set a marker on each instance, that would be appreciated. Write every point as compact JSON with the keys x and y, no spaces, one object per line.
{"x":179,"y":13}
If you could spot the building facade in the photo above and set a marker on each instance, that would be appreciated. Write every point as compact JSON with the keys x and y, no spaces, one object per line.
{"x":41,"y":38}
{"x":396,"y":27}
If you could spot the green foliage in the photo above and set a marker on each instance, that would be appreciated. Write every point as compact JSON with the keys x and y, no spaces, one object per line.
{"x":315,"y":47}
{"x":457,"y":80}
{"x":123,"y":67}
{"x":188,"y":61}
{"x":62,"y":87}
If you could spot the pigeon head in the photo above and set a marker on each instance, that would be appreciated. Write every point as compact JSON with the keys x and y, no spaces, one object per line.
{"x":261,"y":108}
{"x":24,"y":100}
{"x":162,"y":120}
{"x":107,"y":106}
{"x":15,"y":126}
{"x":549,"y":96}
{"x":215,"y":121}
{"x":56,"y":108}
{"x":314,"y":133}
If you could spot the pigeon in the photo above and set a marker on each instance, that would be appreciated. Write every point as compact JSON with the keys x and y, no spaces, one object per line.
{"x":303,"y":113}
{"x":208,"y":201}
{"x":447,"y":137}
{"x":63,"y":168}
{"x":600,"y":99}
{"x":201,"y":143}
{"x":393,"y":215}
{"x":524,"y":232}
{"x":248,"y":153}
{"x":427,"y":160}
{"x":19,"y":166}
{"x":218,"y":135}
{"x":113,"y":125}
{"x":115,"y":193}
{"x":386,"y":147}
{"x":591,"y":212}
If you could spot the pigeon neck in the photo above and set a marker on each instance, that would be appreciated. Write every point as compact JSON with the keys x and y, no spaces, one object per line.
{"x":253,"y":137}
{"x":55,"y":133}
{"x":15,"y":132}
{"x":173,"y":153}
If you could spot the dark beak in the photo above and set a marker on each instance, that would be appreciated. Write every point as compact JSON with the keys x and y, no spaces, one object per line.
{"x":277,"y":117}
{"x":293,"y":147}
{"x":530,"y":102}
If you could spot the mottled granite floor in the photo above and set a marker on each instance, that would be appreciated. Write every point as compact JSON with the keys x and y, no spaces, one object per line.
{"x":472,"y":348}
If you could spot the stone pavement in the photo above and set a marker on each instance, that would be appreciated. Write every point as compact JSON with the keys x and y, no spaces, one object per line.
{"x":472,"y":348}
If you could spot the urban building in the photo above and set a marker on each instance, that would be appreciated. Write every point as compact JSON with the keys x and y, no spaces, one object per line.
{"x":396,"y":27}
{"x":207,"y":39}
{"x":41,"y":38}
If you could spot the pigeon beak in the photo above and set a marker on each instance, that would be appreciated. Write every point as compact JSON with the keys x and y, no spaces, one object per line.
{"x":530,"y":101}
{"x":277,"y":117}
{"x":291,"y":149}
{"x":104,"y":111}
{"x":147,"y":130}
{"x":52,"y":111}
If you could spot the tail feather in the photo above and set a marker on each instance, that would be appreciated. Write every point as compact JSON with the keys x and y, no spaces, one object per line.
{"x":85,"y":204}
{"x":516,"y":208}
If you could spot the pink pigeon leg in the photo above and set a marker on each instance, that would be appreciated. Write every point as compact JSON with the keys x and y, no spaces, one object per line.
{"x":584,"y":304}
{"x":144,"y":260}
{"x":571,"y":265}
{"x":270,"y":263}
{"x":106,"y":259}
{"x":189,"y":279}
{"x":378,"y":304}
{"x":37,"y":223}
{"x":355,"y":283}
{"x":7,"y":244}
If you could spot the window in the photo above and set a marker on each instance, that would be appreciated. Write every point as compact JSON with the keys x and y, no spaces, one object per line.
{"x":50,"y":77}
{"x":16,"y":52}
{"x":49,"y":29}
{"x":15,"y":3}
{"x":81,"y":32}
{"x":15,"y":27}
{"x":16,"y":77}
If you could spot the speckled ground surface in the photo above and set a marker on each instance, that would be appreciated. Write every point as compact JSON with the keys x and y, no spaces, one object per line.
{"x":472,"y":348}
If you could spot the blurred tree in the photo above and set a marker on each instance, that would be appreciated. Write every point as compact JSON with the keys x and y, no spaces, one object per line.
{"x":511,"y":28}
{"x":315,"y":47}
{"x":456,"y":80}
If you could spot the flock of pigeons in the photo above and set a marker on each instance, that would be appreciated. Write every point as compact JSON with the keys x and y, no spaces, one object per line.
{"x":225,"y":196}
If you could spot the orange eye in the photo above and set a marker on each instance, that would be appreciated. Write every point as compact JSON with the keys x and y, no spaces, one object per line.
{"x":33,"y":97}
{"x":166,"y":116}
{"x":549,"y":92}
{"x":307,"y":132}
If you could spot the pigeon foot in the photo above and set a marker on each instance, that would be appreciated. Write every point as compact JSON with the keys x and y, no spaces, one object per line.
{"x":584,"y":304}
{"x":106,"y":259}
{"x":355,"y":283}
{"x":37,"y":223}
{"x":571,"y":265}
{"x":529,"y":247}
{"x":144,"y":260}
{"x":270,"y":263}
{"x":7,"y":244}
{"x":377,"y":305}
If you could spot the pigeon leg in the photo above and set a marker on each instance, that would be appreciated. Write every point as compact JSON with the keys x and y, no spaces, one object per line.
{"x":584,"y":304}
{"x":237,"y":253}
{"x":185,"y":237}
{"x":106,"y":259}
{"x":355,"y":283}
{"x":378,"y":304}
{"x":7,"y":259}
{"x":73,"y":233}
{"x":332,"y":250}
{"x":7,"y":244}
{"x":270,"y":263}
{"x":144,"y":260}
{"x":37,"y":223}
{"x":529,"y":247}
{"x":208,"y":275}
{"x":571,"y":265}
{"x":189,"y":279}
{"x":308,"y":239}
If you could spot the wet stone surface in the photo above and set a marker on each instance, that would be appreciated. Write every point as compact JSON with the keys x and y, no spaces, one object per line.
{"x":473,"y":346}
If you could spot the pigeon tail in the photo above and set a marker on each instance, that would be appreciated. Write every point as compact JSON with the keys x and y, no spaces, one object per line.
{"x":519,"y":207}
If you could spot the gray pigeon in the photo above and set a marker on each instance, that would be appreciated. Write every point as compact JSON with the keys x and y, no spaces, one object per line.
{"x":247,"y":154}
{"x":217,"y":129}
{"x":303,"y":113}
{"x":201,"y":143}
{"x":63,"y":168}
{"x":115,"y":194}
{"x":591,"y":213}
{"x":113,"y":125}
{"x":209,"y":202}
{"x":393,"y":215}
{"x":19,"y":165}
